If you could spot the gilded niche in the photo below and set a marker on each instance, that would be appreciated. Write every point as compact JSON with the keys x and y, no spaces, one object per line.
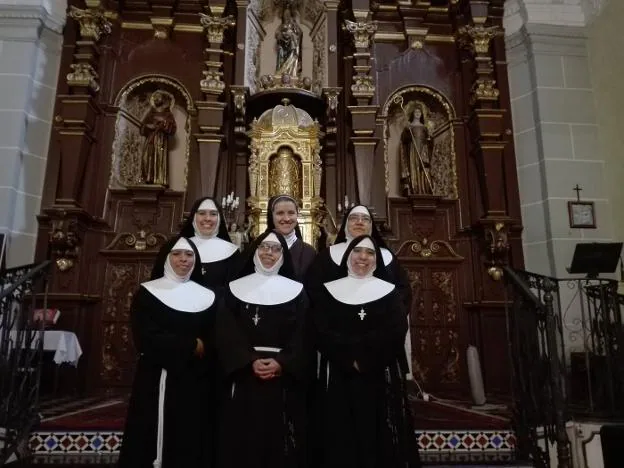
{"x":152,"y":135}
{"x":419,"y":144}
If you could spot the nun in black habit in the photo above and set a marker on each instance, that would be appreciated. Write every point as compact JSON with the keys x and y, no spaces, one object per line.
{"x":172,"y":319}
{"x":283,"y":212}
{"x":261,"y":346}
{"x":361,"y":324}
{"x":357,"y":221}
{"x":206,"y":227}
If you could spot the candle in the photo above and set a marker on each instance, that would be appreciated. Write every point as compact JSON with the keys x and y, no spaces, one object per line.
{"x":223,"y":202}
{"x":339,"y":207}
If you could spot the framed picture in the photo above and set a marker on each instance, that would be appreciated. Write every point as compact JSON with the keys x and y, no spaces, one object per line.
{"x":582,"y":214}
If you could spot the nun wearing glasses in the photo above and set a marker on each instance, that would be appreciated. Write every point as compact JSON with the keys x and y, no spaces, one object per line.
{"x":360,"y":321}
{"x":357,"y":221}
{"x":172,"y":316}
{"x":262,"y":349}
{"x":206,"y":227}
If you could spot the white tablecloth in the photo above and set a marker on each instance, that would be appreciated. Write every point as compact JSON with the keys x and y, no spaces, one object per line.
{"x":65,"y":345}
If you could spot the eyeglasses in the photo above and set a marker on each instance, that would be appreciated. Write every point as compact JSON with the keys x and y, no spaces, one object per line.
{"x":359,"y":218}
{"x":268,"y":247}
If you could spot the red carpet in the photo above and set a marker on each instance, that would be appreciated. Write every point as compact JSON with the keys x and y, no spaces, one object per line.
{"x":110,"y":416}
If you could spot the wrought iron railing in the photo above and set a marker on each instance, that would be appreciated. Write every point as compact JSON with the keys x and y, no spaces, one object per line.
{"x":21,"y":349}
{"x":538,"y":368}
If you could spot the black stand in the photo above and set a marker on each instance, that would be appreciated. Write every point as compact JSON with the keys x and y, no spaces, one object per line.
{"x":595,"y":258}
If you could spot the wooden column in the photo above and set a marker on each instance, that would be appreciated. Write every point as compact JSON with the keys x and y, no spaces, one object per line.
{"x":363,"y":114}
{"x":486,"y":122}
{"x":211,"y":109}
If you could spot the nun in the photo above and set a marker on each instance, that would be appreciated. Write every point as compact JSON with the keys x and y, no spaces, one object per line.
{"x":172,"y":319}
{"x":206,"y":227}
{"x":283,"y":213}
{"x":262,"y":349}
{"x":357,"y":221}
{"x":361,"y":324}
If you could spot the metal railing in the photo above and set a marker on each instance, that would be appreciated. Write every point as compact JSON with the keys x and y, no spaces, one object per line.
{"x":21,"y":350}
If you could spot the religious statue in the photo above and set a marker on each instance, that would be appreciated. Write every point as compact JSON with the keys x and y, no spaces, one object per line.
{"x":415,"y":153}
{"x":157,"y":126}
{"x":289,"y":36}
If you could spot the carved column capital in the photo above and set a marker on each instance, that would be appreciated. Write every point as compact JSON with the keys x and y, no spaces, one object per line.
{"x":215,"y":26}
{"x":477,"y":39}
{"x":94,"y":23}
{"x":83,"y":75}
{"x":362,"y":32}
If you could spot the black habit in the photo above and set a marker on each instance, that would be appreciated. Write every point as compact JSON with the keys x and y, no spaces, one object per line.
{"x":215,"y":274}
{"x":262,"y":421}
{"x":325,"y":268}
{"x":165,"y":338}
{"x":302,"y":253}
{"x":365,"y":421}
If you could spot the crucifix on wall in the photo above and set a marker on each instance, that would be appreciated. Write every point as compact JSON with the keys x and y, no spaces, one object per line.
{"x":582,"y":214}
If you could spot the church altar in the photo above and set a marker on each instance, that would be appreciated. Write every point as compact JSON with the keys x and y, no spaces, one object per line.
{"x":402,"y":107}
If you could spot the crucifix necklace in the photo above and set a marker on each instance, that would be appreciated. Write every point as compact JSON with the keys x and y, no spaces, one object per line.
{"x":362,"y":314}
{"x":256,"y":317}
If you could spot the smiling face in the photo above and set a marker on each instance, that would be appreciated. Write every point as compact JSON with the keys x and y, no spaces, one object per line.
{"x":285,"y":217}
{"x":359,"y":224}
{"x":269,"y":253}
{"x":207,"y":221}
{"x":362,"y":260}
{"x":182,"y":261}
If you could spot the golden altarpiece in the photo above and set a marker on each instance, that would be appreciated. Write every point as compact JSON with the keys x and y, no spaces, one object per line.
{"x":400,"y":106}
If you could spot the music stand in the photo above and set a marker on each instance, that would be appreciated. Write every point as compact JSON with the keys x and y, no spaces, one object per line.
{"x":594,"y":258}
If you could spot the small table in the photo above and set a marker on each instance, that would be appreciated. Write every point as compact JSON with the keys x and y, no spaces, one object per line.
{"x":65,"y":345}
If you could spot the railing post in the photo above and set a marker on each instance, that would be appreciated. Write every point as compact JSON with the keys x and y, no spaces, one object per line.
{"x":561,"y":436}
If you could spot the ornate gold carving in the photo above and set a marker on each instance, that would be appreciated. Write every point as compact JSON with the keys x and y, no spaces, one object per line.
{"x":497,"y":241}
{"x":93,"y":22}
{"x":287,"y":81}
{"x":282,"y":127}
{"x":215,"y":26}
{"x":444,"y":160}
{"x":450,"y":370}
{"x":331,"y":98}
{"x":83,"y":75}
{"x":120,"y":284}
{"x":444,"y":303}
{"x":362,"y":32}
{"x":162,"y":27}
{"x":484,"y":89}
{"x":139,"y":241}
{"x":65,"y":243}
{"x":477,"y":38}
{"x":239,"y":97}
{"x":363,"y":86}
{"x":212,"y":83}
{"x":430,"y":250}
{"x":285,"y":174}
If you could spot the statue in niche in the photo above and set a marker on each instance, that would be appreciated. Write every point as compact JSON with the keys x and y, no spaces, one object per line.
{"x":289,"y":37}
{"x":285,"y":173}
{"x":415,"y":152}
{"x":157,"y":126}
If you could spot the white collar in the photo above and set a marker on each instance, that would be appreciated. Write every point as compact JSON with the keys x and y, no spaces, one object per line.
{"x":337,"y":251}
{"x":291,"y":238}
{"x":356,"y":291}
{"x":265,"y":290}
{"x":183,"y":297}
{"x":214,"y":249}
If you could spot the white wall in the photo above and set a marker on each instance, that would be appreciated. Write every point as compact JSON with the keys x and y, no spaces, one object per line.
{"x":30,"y":49}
